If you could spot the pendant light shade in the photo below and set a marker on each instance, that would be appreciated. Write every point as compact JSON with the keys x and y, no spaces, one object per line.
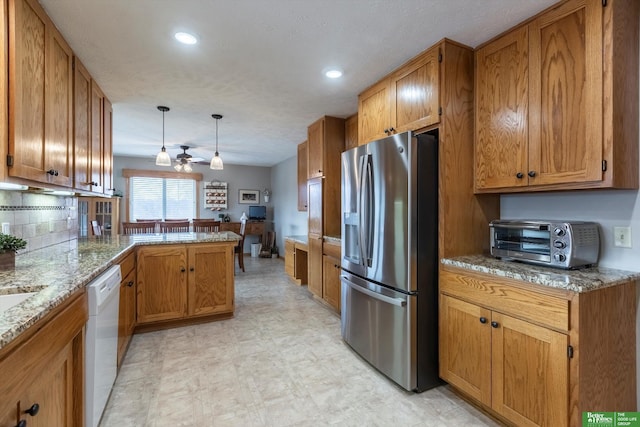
{"x":163,"y":159}
{"x":216,"y":161}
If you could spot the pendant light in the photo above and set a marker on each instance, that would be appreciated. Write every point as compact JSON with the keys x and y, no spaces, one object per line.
{"x":163,"y":159}
{"x":216,"y":161}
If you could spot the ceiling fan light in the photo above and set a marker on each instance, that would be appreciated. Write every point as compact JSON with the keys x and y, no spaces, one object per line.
{"x":187,"y":168}
{"x":178,"y":167}
{"x":216,"y":162}
{"x":163,"y":159}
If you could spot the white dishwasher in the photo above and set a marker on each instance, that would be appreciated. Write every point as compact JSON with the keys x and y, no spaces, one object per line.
{"x":101,"y":343}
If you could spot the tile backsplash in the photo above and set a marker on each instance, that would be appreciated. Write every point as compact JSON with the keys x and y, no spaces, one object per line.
{"x":40,"y":219}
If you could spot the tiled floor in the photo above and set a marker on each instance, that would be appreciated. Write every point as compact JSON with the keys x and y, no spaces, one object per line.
{"x":279,"y":362}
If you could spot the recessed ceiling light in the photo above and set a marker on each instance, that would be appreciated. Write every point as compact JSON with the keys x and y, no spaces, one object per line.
{"x":333,"y":74}
{"x":186,"y":38}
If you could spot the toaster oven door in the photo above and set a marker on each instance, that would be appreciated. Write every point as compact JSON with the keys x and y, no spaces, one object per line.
{"x":528,"y":242}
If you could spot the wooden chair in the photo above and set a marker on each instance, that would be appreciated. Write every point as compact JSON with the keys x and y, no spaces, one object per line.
{"x":205,"y":225}
{"x":176,"y":219}
{"x":174,"y":227}
{"x":239,"y":249}
{"x":138,"y":227}
{"x":149,"y":220}
{"x":97,"y":230}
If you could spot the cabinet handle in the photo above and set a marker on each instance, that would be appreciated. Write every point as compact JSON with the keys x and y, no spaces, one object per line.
{"x":182,"y":269}
{"x":52,"y":172}
{"x":386,"y":131}
{"x":192,"y":269}
{"x":130,"y":284}
{"x":532,"y":173}
{"x":22,"y":423}
{"x":494,"y":324}
{"x":519,"y":175}
{"x":33,"y":411}
{"x":392,"y":129}
{"x":483,"y":320}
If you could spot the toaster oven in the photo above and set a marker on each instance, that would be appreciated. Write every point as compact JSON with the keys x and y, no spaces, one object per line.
{"x":563,"y":244}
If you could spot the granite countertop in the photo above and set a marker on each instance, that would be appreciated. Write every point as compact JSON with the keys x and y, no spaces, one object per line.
{"x":58,"y":271}
{"x":301,"y":238}
{"x":333,"y":239}
{"x":581,"y":280}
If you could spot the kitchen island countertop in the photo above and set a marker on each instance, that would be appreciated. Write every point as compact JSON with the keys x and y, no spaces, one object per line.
{"x":56,"y":272}
{"x":580,"y":280}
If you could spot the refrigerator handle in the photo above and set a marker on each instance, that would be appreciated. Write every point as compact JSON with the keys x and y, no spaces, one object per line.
{"x":370,"y":210}
{"x":361,"y":215}
{"x":395,"y":301}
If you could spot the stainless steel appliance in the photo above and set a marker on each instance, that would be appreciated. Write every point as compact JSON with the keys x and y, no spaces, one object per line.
{"x":564,"y":244}
{"x":390,"y":256}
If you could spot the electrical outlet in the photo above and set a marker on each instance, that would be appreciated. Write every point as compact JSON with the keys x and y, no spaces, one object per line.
{"x":51,"y":227}
{"x":6,"y":228}
{"x":622,"y":237}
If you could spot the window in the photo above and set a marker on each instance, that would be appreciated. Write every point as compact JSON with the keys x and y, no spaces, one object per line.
{"x":165,"y":198}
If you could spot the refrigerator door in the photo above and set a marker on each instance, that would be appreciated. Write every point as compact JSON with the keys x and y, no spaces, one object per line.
{"x":375,"y":207}
{"x":379,"y":324}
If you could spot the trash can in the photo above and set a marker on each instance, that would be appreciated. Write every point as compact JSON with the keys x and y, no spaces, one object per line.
{"x":255,"y":249}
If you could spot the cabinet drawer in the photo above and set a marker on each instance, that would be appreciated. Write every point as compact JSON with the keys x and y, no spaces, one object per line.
{"x":128,"y":263}
{"x":509,"y":297}
{"x":332,"y":249}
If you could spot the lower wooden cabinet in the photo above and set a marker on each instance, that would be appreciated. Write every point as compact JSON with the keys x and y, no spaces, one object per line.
{"x":127,"y":304}
{"x":534,"y":355}
{"x":315,"y":265}
{"x":182,"y":281}
{"x":331,"y":281}
{"x":289,"y":258}
{"x":44,"y":370}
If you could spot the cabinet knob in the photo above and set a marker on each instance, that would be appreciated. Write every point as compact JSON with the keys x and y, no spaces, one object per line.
{"x":483,"y":320}
{"x":22,"y":423}
{"x":182,"y":269}
{"x":33,"y":411}
{"x":519,"y":175}
{"x":392,"y":129}
{"x":532,"y":173}
{"x":52,"y":172}
{"x":192,"y":269}
{"x":130,"y":284}
{"x":494,"y":324}
{"x":386,"y":131}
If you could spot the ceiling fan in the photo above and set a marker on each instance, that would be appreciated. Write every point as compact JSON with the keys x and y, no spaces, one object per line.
{"x":183,"y":160}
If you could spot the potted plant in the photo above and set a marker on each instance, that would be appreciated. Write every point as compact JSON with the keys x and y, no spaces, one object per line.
{"x":9,"y":245}
{"x":274,"y":252}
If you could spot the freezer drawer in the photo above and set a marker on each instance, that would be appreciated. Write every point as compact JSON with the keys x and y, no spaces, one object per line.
{"x":379,"y":324}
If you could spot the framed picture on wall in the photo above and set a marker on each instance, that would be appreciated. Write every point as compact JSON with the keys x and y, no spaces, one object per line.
{"x":249,"y":196}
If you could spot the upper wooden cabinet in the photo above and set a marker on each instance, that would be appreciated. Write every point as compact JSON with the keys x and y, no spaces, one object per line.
{"x":82,"y":126}
{"x":351,"y":132}
{"x":408,"y":99}
{"x":324,"y":144}
{"x":40,"y":97}
{"x":97,"y":139}
{"x":302,"y":176}
{"x":107,"y":147}
{"x":557,"y":101}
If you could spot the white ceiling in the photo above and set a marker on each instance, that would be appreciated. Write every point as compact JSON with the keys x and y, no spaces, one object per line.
{"x":259,"y":63}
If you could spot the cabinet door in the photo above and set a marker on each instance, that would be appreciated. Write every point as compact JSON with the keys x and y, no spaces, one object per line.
{"x":415,"y":98}
{"x":127,"y":313}
{"x":289,"y":257}
{"x":529,"y":372}
{"x":97,"y":119}
{"x":162,"y":283}
{"x":374,"y":112}
{"x":315,"y":149}
{"x":351,"y":132}
{"x":27,"y":41}
{"x":565,"y":110}
{"x":465,"y":347}
{"x":302,"y":176}
{"x":210,"y":279}
{"x":315,"y":265}
{"x":82,"y":126}
{"x":315,"y":206}
{"x":107,"y":148}
{"x":53,"y":393}
{"x":331,"y":281}
{"x":502,"y":109}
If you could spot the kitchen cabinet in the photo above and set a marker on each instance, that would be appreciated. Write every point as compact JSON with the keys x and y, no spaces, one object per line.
{"x":82,"y":126}
{"x":127,"y":304}
{"x":40,"y":97}
{"x":44,"y":366}
{"x":351,"y":132}
{"x":289,"y":258}
{"x":325,"y":143}
{"x":181,"y":282}
{"x":97,"y":139}
{"x":107,"y":147}
{"x":331,"y":286}
{"x":531,"y":354}
{"x":314,"y":260}
{"x":302,"y":176}
{"x":107,"y":212}
{"x":407,"y":99}
{"x":315,"y":209}
{"x":296,"y":260}
{"x":556,"y":99}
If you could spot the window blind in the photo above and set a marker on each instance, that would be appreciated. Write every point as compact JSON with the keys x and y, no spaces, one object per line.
{"x":162,"y":198}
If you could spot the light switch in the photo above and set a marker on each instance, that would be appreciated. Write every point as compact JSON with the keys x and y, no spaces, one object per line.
{"x":622,"y":237}
{"x":6,"y":228}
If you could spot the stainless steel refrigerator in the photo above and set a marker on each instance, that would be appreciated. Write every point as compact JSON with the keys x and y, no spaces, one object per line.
{"x":390,"y":256}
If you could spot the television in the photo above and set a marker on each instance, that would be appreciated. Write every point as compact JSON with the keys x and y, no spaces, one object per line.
{"x":258,"y":213}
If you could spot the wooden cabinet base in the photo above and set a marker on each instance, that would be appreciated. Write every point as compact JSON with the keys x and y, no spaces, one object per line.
{"x":168,"y":324}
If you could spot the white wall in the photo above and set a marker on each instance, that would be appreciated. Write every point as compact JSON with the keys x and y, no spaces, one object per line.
{"x":288,"y":221}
